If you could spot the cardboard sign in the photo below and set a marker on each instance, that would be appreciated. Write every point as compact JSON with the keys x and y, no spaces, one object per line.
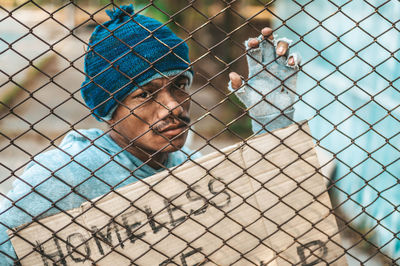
{"x":260,"y":202}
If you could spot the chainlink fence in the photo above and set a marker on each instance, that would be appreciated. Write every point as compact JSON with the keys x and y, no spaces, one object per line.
{"x":346,"y":89}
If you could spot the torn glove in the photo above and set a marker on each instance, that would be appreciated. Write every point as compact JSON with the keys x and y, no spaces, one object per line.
{"x":270,"y":91}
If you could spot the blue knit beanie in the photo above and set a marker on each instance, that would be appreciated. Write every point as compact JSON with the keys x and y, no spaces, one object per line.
{"x":125,"y":52}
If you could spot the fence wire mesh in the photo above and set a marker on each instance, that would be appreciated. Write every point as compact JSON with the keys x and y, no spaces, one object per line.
{"x":347,"y":89}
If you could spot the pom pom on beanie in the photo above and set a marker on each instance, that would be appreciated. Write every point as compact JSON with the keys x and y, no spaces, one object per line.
{"x":120,"y":12}
{"x":129,"y":51}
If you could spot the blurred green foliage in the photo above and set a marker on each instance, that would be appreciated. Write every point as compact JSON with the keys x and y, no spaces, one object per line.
{"x":241,"y":126}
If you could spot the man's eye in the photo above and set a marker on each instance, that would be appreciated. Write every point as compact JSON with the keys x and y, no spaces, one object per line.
{"x":144,"y":95}
{"x":181,"y":86}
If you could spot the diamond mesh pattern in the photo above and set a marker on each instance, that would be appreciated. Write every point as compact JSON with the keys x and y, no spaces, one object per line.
{"x":347,"y":89}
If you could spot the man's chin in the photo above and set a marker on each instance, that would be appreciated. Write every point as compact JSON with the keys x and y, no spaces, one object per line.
{"x":175,"y":144}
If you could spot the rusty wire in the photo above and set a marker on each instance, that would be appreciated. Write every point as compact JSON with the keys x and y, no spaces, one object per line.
{"x":228,"y":35}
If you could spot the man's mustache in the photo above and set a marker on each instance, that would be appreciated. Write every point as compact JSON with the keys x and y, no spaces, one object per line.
{"x":171,"y":122}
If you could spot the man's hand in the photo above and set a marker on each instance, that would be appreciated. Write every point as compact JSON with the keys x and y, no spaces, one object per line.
{"x":271,"y":86}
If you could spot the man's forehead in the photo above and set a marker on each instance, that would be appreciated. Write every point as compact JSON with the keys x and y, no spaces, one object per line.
{"x":166,"y":80}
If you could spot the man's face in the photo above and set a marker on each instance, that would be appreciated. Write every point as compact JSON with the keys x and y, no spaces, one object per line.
{"x":155,"y":117}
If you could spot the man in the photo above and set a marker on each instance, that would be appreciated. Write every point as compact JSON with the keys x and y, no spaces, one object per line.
{"x":138,"y":73}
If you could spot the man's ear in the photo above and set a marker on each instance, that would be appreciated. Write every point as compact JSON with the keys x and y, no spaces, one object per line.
{"x":114,"y":118}
{"x":112,"y":121}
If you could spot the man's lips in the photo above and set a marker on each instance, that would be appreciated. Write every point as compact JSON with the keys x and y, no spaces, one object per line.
{"x":172,"y":130}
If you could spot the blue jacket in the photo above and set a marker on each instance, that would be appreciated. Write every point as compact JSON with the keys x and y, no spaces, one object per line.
{"x":91,"y":169}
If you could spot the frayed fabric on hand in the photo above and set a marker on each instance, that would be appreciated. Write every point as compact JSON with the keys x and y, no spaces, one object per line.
{"x":270,"y":91}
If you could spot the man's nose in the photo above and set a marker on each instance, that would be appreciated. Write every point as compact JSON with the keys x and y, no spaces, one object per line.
{"x":170,"y":104}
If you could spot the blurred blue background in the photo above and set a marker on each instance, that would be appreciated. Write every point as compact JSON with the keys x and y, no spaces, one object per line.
{"x":349,"y":87}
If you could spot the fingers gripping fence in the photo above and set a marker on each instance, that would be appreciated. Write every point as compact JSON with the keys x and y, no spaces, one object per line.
{"x":181,"y":168}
